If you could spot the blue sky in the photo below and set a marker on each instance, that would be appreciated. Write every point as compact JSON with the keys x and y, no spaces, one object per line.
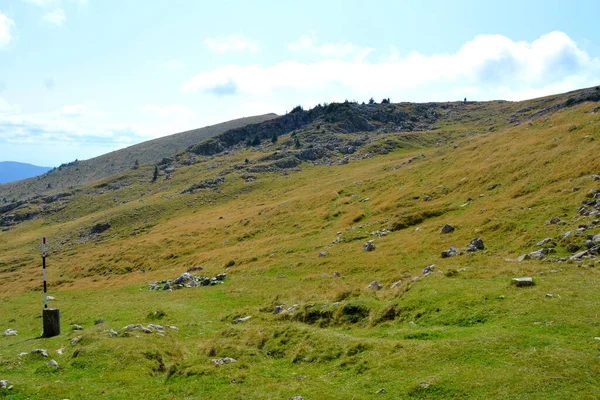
{"x":80,"y":78}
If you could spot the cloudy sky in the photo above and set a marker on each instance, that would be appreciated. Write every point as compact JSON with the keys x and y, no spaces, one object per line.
{"x":79,"y":78}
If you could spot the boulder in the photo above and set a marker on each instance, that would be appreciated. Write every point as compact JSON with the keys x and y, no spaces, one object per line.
{"x":223,"y":361}
{"x":42,"y":352}
{"x":543,"y":242}
{"x":53,"y":364}
{"x":428,"y":269}
{"x":522,"y":282}
{"x":447,"y":229}
{"x":375,"y":286}
{"x":369,"y":246}
{"x":450,"y":252}
{"x":396,"y":284}
{"x":10,"y":332}
{"x":242,"y":319}
{"x":476,"y":244}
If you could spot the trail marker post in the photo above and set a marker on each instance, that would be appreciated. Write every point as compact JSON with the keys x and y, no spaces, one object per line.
{"x":50,"y":316}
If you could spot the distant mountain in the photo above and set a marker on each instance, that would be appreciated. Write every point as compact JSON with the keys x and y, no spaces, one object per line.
{"x":78,"y":173}
{"x":14,"y":171}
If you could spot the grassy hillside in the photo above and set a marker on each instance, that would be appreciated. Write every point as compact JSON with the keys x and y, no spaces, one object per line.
{"x":290,"y":237}
{"x":78,"y":173}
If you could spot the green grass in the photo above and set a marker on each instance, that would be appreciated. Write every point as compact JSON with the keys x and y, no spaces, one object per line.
{"x":461,"y":332}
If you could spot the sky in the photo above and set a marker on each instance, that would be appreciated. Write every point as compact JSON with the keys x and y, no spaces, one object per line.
{"x":80,"y":78}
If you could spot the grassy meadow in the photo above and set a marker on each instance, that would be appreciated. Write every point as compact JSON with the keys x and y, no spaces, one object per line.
{"x":295,"y":239}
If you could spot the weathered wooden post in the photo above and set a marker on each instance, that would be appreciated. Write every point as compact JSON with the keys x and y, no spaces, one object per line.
{"x":50,"y":316}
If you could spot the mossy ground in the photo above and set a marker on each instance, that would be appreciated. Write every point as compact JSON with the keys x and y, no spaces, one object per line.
{"x":461,"y":332}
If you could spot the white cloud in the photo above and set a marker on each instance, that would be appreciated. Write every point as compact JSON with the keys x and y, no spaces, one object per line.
{"x":56,"y":17}
{"x":494,"y":64}
{"x":235,"y":42}
{"x":308,"y":43}
{"x":7,"y":27}
{"x":81,"y":110}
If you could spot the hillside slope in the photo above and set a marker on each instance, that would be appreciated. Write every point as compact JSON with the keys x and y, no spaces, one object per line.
{"x":78,"y":173}
{"x":13,"y":171}
{"x":307,"y":307}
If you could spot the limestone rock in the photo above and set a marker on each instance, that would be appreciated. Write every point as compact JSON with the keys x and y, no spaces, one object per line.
{"x":544,"y":242}
{"x":223,"y":361}
{"x":476,"y":244}
{"x":53,"y":364}
{"x":369,"y":246}
{"x":447,"y":229}
{"x":42,"y":352}
{"x":242,"y":319}
{"x":450,"y":252}
{"x":522,"y":282}
{"x":375,"y":286}
{"x":396,"y":284}
{"x":428,"y":269}
{"x":10,"y":332}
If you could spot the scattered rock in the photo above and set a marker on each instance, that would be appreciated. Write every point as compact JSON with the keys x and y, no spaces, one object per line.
{"x":369,"y":246}
{"x":112,"y":333}
{"x":536,"y":255}
{"x":60,"y":351}
{"x":278,"y":309}
{"x":75,"y":340}
{"x":381,"y":391}
{"x":242,"y":319}
{"x":476,"y":244}
{"x":596,"y":177}
{"x":556,"y":221}
{"x":323,"y":254}
{"x":43,"y":352}
{"x":380,"y":233}
{"x":521,"y":282}
{"x":10,"y":332}
{"x":223,"y":361}
{"x":396,"y":284}
{"x":4,"y":384}
{"x":375,"y":286}
{"x":549,"y":295}
{"x":137,"y":327}
{"x":155,"y":327}
{"x":296,"y":398}
{"x":450,"y":252}
{"x":447,"y":229}
{"x":543,"y":242}
{"x":336,"y":274}
{"x":77,"y":327}
{"x":412,"y":323}
{"x":99,"y":321}
{"x":194,"y":268}
{"x":53,"y":364}
{"x":187,"y":280}
{"x":428,"y":269}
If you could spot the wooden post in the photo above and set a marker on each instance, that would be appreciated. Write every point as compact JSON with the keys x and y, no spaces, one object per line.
{"x":51,"y":317}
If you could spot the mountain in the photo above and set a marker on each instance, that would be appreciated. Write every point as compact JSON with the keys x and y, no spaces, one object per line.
{"x":13,"y":171}
{"x":80,"y":172}
{"x":347,"y":251}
